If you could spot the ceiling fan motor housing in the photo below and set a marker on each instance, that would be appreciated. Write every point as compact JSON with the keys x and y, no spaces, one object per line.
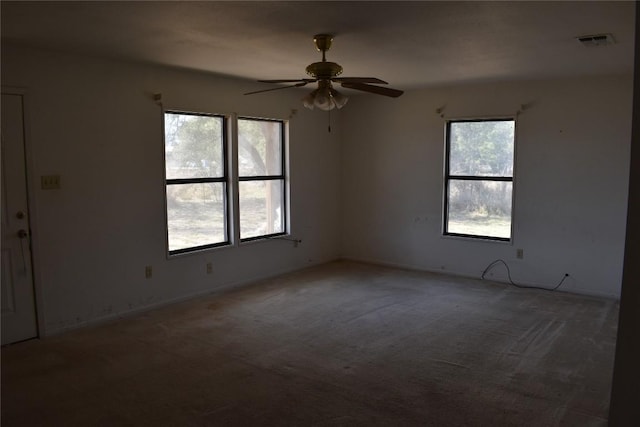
{"x":324,"y":70}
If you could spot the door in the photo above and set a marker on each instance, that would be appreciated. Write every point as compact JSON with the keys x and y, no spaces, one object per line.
{"x":18,"y":303}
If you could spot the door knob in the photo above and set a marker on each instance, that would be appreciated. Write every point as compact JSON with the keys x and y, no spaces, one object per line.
{"x":22,"y":234}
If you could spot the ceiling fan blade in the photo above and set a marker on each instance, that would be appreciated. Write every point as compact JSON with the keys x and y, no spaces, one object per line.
{"x":359,"y":80}
{"x":277,"y":88}
{"x":288,"y":81}
{"x":378,"y":90}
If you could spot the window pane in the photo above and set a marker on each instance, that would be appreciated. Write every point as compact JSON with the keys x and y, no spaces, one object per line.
{"x":483,"y":148}
{"x":195,"y":215}
{"x":193,"y":146}
{"x":259,"y":147}
{"x":480,"y":208}
{"x":261,"y":208}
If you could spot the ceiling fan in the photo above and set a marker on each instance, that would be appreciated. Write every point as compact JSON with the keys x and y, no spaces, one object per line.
{"x":326,"y":73}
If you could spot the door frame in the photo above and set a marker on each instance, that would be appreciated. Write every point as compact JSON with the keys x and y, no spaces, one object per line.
{"x":31,"y":186}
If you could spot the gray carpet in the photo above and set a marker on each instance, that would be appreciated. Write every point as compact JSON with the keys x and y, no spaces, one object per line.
{"x":344,"y":344}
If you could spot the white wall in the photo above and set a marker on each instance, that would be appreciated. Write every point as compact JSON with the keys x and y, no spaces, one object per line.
{"x":571,"y":180}
{"x":94,"y":123}
{"x":370,"y":190}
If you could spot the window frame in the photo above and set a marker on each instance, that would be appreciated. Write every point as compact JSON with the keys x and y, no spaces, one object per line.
{"x":448,"y":178}
{"x":224,"y":179}
{"x":281,"y":177}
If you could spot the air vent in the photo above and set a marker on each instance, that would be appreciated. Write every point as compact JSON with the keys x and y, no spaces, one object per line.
{"x":596,"y":40}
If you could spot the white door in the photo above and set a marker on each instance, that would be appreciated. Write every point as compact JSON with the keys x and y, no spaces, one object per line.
{"x":18,"y":304}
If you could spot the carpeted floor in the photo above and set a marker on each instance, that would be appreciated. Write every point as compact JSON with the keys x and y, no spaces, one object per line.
{"x":344,"y":344}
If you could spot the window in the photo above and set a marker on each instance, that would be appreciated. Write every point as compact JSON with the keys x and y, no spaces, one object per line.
{"x":198,"y":170}
{"x":261,"y":176}
{"x":196,"y":181}
{"x":479,"y":178}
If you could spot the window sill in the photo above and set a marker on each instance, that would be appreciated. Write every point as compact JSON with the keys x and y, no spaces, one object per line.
{"x":285,"y":237}
{"x":199,"y":251}
{"x":477,"y":239}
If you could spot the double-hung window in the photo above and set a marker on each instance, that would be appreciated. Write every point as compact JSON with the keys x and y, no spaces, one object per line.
{"x":196,"y":181}
{"x":203,"y":209}
{"x":479,"y":178}
{"x":261,"y":176}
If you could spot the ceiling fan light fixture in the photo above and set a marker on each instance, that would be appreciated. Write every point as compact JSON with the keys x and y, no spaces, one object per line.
{"x":323,"y":101}
{"x":339,"y":99}
{"x":325,"y":97}
{"x":308,"y":100}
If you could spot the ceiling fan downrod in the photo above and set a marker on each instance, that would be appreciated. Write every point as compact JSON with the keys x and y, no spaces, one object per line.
{"x":323,"y":70}
{"x":323,"y":43}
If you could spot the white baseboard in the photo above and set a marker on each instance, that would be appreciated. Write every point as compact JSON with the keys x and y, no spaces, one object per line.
{"x":577,"y":291}
{"x":152,"y":306}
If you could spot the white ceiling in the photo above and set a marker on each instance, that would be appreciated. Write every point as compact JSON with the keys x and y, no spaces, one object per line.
{"x":408,"y":44}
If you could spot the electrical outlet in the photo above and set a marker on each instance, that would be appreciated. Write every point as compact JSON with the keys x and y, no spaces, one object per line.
{"x":50,"y":182}
{"x":209,"y":268}
{"x":520,"y":253}
{"x":148,"y":272}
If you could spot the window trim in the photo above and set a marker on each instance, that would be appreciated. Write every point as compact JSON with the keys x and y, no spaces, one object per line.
{"x":281,"y":177}
{"x":448,"y":178}
{"x":224,"y":179}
